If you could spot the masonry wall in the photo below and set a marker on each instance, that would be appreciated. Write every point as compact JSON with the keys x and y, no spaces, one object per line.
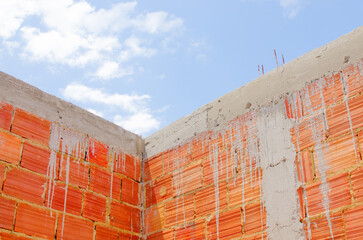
{"x":285,"y":164}
{"x":60,"y":183}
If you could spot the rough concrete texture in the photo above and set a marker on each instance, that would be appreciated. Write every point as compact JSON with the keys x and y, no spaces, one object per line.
{"x":284,"y":79}
{"x":31,"y":99}
{"x":280,"y":181}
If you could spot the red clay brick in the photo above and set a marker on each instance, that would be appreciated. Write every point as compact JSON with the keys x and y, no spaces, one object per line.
{"x":177,"y":158}
{"x":130,"y":192}
{"x":200,"y":147}
{"x":7,"y":213}
{"x":354,"y":223}
{"x":158,"y":190}
{"x":35,"y":221}
{"x":228,"y":226}
{"x":100,"y":181}
{"x":74,"y":228}
{"x":10,"y":147}
{"x":242,"y":190}
{"x":338,"y":194}
{"x":293,"y":105}
{"x":255,"y":218}
{"x":338,"y":154}
{"x":357,"y":184}
{"x":36,"y":158}
{"x":179,"y":210}
{"x":31,"y":126}
{"x":308,"y":166}
{"x":94,"y":207}
{"x":187,"y":179}
{"x":154,"y":218}
{"x":77,"y":172}
{"x":12,"y":236}
{"x":165,"y":235}
{"x":75,"y":144}
{"x":6,"y":114}
{"x":338,"y":120}
{"x":195,"y":231}
{"x":153,"y":167}
{"x":353,"y":80}
{"x":125,"y":217}
{"x":98,"y":152}
{"x":311,"y":97}
{"x":320,"y":227}
{"x":2,"y":173}
{"x":205,"y":200}
{"x":332,"y":89}
{"x":106,"y":233}
{"x":116,"y":187}
{"x":356,"y":113}
{"x":125,"y":236}
{"x":258,"y":236}
{"x":24,"y":185}
{"x":55,"y":197}
{"x":128,"y":165}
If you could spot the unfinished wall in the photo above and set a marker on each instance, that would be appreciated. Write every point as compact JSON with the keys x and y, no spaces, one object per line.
{"x":58,"y":180}
{"x":279,"y":158}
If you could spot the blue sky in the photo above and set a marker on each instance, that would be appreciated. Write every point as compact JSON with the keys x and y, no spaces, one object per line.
{"x":145,"y":64}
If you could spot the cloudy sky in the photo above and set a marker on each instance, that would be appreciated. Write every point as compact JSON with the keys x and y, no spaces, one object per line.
{"x":144,"y":64}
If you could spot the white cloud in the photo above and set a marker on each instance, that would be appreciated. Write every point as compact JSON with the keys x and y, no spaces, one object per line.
{"x":111,"y":69}
{"x":139,"y":123}
{"x":129,"y":103}
{"x":291,"y":7}
{"x":77,"y":34}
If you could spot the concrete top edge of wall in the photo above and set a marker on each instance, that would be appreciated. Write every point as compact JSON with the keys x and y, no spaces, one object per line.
{"x":287,"y":78}
{"x":33,"y":100}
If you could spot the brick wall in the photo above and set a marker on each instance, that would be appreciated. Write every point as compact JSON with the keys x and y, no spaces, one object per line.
{"x":218,"y":184}
{"x":58,"y":183}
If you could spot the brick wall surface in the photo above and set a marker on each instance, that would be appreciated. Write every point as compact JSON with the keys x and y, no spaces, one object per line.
{"x":57,"y":183}
{"x":211,"y":186}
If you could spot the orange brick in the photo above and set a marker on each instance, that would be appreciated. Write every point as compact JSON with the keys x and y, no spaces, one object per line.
{"x":154,"y":218}
{"x":128,"y":165}
{"x":311,"y":97}
{"x":356,"y":113}
{"x":258,"y":236}
{"x":36,"y":158}
{"x":7,"y":213}
{"x":293,"y":105}
{"x":243,"y":190}
{"x":24,"y":185}
{"x":11,"y":236}
{"x":195,"y":231}
{"x":164,"y":235}
{"x":308,"y":166}
{"x":2,"y":172}
{"x":205,"y":200}
{"x":320,"y":228}
{"x":74,"y":228}
{"x":254,"y":218}
{"x":332,"y":89}
{"x":227,"y":226}
{"x":125,"y":217}
{"x":130,"y":191}
{"x":105,"y":233}
{"x":10,"y":147}
{"x":125,"y":236}
{"x":357,"y":184}
{"x":354,"y":223}
{"x":338,"y":154}
{"x":94,"y":207}
{"x":35,"y":221}
{"x":353,"y":80}
{"x":70,"y":142}
{"x":153,"y":167}
{"x":158,"y":190}
{"x":200,"y":147}
{"x":6,"y":113}
{"x":187,"y":179}
{"x":116,"y":187}
{"x":31,"y":126}
{"x":98,"y":152}
{"x":177,"y":158}
{"x":55,"y":198}
{"x":338,"y":120}
{"x":223,"y":166}
{"x":179,"y":210}
{"x":338,"y":192}
{"x":100,"y":181}
{"x":308,"y":132}
{"x":77,"y":172}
